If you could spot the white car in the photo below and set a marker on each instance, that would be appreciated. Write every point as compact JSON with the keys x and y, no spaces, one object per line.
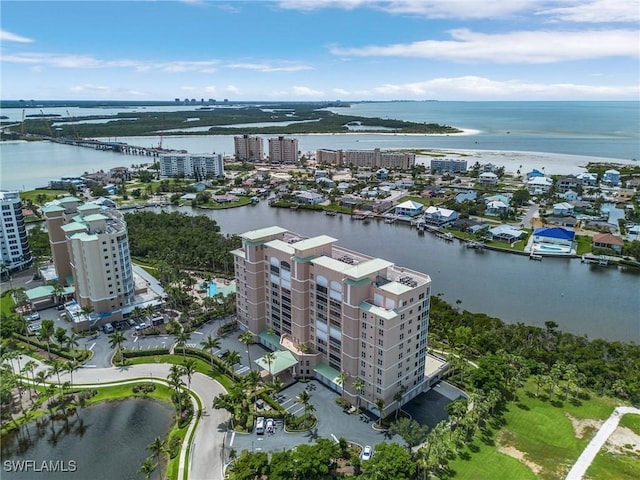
{"x":367,"y":452}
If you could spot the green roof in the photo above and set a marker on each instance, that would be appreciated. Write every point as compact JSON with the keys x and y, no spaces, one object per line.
{"x":69,"y":199}
{"x":88,"y":206}
{"x":255,"y":235}
{"x":270,"y":338}
{"x":379,"y":311}
{"x":52,"y":208}
{"x":281,"y":246}
{"x":74,"y":227}
{"x":39,"y":292}
{"x":367,"y":268}
{"x":313,"y":242}
{"x":284,"y":359}
{"x":327,"y":372}
{"x":396,"y":288}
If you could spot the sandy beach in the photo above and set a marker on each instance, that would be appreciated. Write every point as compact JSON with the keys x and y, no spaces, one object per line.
{"x":512,"y":161}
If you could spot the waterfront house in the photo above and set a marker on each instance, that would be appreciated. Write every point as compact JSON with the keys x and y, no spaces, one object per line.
{"x":554,"y":235}
{"x":488,"y":179}
{"x":188,"y":197}
{"x":324,"y":182}
{"x":588,"y":179}
{"x":505,"y":233}
{"x":437,"y":216}
{"x":409,"y":209}
{"x":611,"y":177}
{"x":539,"y":185}
{"x":633,"y":232}
{"x":562,"y":209}
{"x":607,"y":240}
{"x":309,"y":198}
{"x":570,"y":182}
{"x":561,"y":221}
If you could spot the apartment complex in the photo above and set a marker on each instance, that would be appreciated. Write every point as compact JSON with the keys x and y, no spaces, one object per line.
{"x":283,"y":150}
{"x":14,"y":242}
{"x":198,"y":166}
{"x":248,"y":148}
{"x":366,"y":158}
{"x":453,"y":165}
{"x":336,"y":311}
{"x":90,"y":249}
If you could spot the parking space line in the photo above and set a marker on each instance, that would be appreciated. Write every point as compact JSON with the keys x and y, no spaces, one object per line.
{"x":135,"y":340}
{"x":92,"y":345}
{"x":198,"y":333}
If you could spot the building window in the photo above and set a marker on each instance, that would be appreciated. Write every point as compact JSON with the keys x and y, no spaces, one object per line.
{"x":381,"y":322}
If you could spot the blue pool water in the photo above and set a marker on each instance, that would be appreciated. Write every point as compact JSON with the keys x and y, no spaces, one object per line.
{"x":212,"y":288}
{"x":551,"y":248}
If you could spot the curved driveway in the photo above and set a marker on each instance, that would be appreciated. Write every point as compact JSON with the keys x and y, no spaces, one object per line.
{"x":205,"y":462}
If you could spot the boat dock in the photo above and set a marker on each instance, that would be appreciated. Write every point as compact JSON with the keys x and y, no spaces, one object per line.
{"x":533,"y":256}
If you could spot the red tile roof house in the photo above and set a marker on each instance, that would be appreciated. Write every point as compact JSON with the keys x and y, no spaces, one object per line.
{"x":607,"y":240}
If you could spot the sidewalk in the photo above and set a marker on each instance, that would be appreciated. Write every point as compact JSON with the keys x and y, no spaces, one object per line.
{"x":579,"y":469}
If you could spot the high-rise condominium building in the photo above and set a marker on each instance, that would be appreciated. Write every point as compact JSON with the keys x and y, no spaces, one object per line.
{"x":366,"y":158}
{"x":248,"y":148}
{"x":453,"y":165}
{"x":14,"y":242}
{"x":198,"y":166}
{"x":336,"y":311}
{"x":90,"y":249}
{"x":283,"y":150}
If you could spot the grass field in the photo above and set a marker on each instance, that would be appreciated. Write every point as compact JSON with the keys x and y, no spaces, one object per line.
{"x":543,"y":439}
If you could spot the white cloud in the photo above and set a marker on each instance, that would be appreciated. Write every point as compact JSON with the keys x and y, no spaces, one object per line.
{"x":596,"y":11}
{"x":12,"y":37}
{"x":306,"y":92}
{"x":512,"y":47}
{"x":264,"y":67}
{"x":480,"y":88}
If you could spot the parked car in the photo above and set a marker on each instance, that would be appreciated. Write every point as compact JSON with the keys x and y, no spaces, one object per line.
{"x":222,"y":353}
{"x":35,"y":328}
{"x":33,"y":316}
{"x":60,"y":307}
{"x":107,"y":328}
{"x":367,"y":452}
{"x":260,"y":425}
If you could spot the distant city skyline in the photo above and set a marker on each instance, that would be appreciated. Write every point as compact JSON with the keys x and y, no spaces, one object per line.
{"x":311,"y":50}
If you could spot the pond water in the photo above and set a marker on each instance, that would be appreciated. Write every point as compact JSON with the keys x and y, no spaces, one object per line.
{"x":105,"y":441}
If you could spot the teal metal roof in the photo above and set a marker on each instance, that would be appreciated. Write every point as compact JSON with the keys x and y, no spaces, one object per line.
{"x":327,"y":372}
{"x":378,"y":311}
{"x":284,"y":359}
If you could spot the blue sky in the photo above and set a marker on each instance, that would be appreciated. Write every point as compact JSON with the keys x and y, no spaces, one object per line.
{"x":321,"y":50}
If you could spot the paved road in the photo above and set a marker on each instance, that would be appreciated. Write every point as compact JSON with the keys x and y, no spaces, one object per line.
{"x":579,"y":469}
{"x":206,"y":449}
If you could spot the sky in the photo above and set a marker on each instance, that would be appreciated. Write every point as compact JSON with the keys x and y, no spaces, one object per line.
{"x":320,"y":50}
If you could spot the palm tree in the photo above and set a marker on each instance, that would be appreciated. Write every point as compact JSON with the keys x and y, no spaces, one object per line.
{"x":137,"y":312}
{"x":115,"y":341}
{"x":45,"y":333}
{"x":358,"y":385}
{"x":157,"y":447}
{"x":71,"y":343}
{"x":175,"y":382}
{"x":251,"y":379}
{"x":379,"y":403}
{"x":41,"y":377}
{"x":232,"y":358}
{"x":147,"y":468}
{"x":188,"y":369}
{"x":56,"y":367}
{"x":276,"y":385}
{"x":269,"y":358}
{"x":182,"y":337}
{"x":30,"y":367}
{"x":71,"y":366}
{"x":211,"y":343}
{"x":397,"y":397}
{"x":341,"y":379}
{"x":246,"y":337}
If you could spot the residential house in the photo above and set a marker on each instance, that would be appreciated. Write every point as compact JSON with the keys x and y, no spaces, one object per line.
{"x":588,"y":179}
{"x":409,"y":209}
{"x":570,"y":196}
{"x":469,"y":195}
{"x":325,"y":182}
{"x":554,"y":235}
{"x":570,"y":182}
{"x":382,"y":174}
{"x":309,"y":198}
{"x":488,"y":179}
{"x":534,"y":173}
{"x":563,"y":209}
{"x":505,"y":233}
{"x":437,"y":216}
{"x":539,"y":185}
{"x":611,"y":177}
{"x":496,"y":208}
{"x":607,"y":240}
{"x":562,"y":221}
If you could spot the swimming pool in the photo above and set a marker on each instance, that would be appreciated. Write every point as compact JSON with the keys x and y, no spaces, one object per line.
{"x":212,"y":289}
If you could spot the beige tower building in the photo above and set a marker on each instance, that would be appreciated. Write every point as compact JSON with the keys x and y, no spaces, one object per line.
{"x":336,"y":311}
{"x":248,"y":148}
{"x":90,"y":250}
{"x":283,"y":150}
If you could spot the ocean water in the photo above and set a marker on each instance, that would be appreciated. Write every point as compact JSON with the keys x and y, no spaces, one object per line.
{"x":608,"y":130}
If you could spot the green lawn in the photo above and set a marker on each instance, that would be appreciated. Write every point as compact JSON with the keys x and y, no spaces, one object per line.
{"x":48,"y":195}
{"x":7,"y":303}
{"x":488,"y":464}
{"x":609,"y":466}
{"x":584,"y":243}
{"x":631,"y":421}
